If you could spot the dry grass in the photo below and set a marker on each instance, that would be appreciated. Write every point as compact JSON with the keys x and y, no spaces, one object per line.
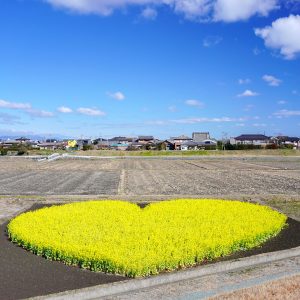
{"x":288,"y":288}
{"x":290,"y":207}
{"x":267,"y":152}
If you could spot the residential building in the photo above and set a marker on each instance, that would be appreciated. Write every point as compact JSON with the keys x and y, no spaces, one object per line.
{"x":252,"y":139}
{"x":179,"y":140}
{"x":51,"y":146}
{"x":10,"y":143}
{"x":189,"y":145}
{"x":23,"y":140}
{"x":286,"y":140}
{"x":200,"y":136}
{"x":145,"y":139}
{"x":83,"y":142}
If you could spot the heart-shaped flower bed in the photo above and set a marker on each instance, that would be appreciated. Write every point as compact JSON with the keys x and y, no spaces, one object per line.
{"x":120,"y":237}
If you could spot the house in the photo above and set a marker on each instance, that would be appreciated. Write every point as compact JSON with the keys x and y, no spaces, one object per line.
{"x":136,"y":146}
{"x":189,"y":145}
{"x":286,"y":140}
{"x":101,"y":143}
{"x":51,"y":146}
{"x":120,"y":140}
{"x":83,"y":142}
{"x":32,"y":144}
{"x":10,"y":143}
{"x":208,"y":142}
{"x":51,"y":141}
{"x":119,"y":146}
{"x":145,"y":139}
{"x":252,"y":139}
{"x":200,"y":136}
{"x":169,"y":145}
{"x":23,"y":140}
{"x":205,"y":144}
{"x":177,"y":141}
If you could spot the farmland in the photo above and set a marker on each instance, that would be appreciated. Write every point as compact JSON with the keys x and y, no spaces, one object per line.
{"x":203,"y":176}
{"x":269,"y":180}
{"x":140,"y":176}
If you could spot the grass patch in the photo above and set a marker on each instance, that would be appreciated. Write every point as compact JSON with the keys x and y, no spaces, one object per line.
{"x":120,"y":237}
{"x":289,"y":207}
{"x":148,"y":153}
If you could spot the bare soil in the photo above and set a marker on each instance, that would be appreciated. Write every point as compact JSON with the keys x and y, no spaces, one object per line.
{"x":244,"y":176}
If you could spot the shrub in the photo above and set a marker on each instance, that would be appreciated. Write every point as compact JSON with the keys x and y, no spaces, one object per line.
{"x":272,"y":146}
{"x":87,"y":147}
{"x":3,"y":151}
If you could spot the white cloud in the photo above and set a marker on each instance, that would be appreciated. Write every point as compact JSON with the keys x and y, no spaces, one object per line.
{"x":207,"y":120}
{"x":90,"y":111}
{"x":27,"y":108}
{"x":244,"y":81}
{"x":256,"y":51}
{"x":149,"y":13}
{"x":117,"y":96}
{"x":259,"y":125}
{"x":249,"y":107}
{"x":14,"y":105}
{"x":9,"y":119}
{"x":248,"y":93}
{"x":64,"y":109}
{"x":39,"y":113}
{"x":282,"y":35}
{"x":271,"y":80}
{"x":157,"y":122}
{"x":281,"y":102}
{"x":172,"y":108}
{"x":193,"y":102}
{"x":217,"y":10}
{"x":287,"y":113}
{"x":235,"y":10}
{"x":211,"y":41}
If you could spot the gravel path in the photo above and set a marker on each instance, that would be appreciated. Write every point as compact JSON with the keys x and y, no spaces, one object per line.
{"x":209,"y":286}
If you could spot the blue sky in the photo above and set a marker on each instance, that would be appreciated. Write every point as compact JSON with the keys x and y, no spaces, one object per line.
{"x":161,"y":67}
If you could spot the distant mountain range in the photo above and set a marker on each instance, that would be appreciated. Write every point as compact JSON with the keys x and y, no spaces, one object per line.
{"x":33,"y":137}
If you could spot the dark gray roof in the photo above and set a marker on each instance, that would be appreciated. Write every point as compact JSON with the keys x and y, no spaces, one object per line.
{"x":137,"y":144}
{"x":181,"y":137}
{"x":190,"y":143}
{"x":252,"y":137}
{"x":145,"y":137}
{"x":22,"y":139}
{"x":11,"y":142}
{"x":288,"y":138}
{"x":49,"y":144}
{"x":207,"y":143}
{"x":121,"y":139}
{"x":168,"y":141}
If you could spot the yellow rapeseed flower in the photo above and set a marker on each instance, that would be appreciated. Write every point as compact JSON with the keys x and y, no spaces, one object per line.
{"x":120,"y":237}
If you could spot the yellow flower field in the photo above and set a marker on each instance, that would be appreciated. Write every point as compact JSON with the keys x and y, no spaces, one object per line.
{"x":120,"y":237}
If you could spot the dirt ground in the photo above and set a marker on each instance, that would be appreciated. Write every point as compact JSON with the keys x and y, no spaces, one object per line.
{"x":285,"y":289}
{"x":182,"y":177}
